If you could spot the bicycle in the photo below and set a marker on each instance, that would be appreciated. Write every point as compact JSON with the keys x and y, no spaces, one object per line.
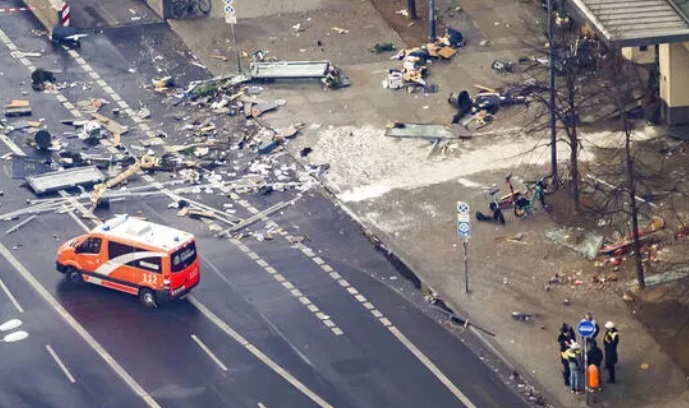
{"x":495,"y":207}
{"x":184,"y":8}
{"x":526,"y":203}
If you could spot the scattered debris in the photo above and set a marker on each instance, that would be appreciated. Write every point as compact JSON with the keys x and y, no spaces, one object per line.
{"x":415,"y":60}
{"x":305,"y":151}
{"x":514,"y":239}
{"x":521,"y":316}
{"x":621,"y":246}
{"x":62,"y":179}
{"x":18,"y":107}
{"x":380,"y":48}
{"x":418,"y":130}
{"x":585,"y":243}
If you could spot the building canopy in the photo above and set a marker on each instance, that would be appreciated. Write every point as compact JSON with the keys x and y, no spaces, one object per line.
{"x":633,"y":23}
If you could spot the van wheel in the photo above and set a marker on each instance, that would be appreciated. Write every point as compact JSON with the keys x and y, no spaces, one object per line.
{"x":148,"y":298}
{"x":74,"y":276}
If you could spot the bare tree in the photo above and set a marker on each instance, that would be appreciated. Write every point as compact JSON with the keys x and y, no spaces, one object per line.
{"x":574,"y":59}
{"x":621,"y":86}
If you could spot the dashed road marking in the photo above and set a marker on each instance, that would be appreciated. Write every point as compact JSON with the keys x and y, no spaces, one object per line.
{"x":128,"y":379}
{"x":208,"y":351}
{"x":308,"y":252}
{"x":60,"y":364}
{"x":74,"y":324}
{"x":259,"y":354}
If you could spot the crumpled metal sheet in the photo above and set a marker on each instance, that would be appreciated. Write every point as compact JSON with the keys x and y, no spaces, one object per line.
{"x":584,"y":243}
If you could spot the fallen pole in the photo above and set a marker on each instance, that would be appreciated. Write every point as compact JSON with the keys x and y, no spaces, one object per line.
{"x":20,"y":224}
{"x":263,"y":214}
{"x":460,"y":320}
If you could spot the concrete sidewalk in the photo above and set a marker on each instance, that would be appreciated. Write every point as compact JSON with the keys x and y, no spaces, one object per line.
{"x":408,"y":198}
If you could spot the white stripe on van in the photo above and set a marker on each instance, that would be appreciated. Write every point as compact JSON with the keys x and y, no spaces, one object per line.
{"x":114,"y":263}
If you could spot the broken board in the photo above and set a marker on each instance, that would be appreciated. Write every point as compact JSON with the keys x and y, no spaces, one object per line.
{"x":112,"y":126}
{"x":70,"y":178}
{"x":289,"y":69}
{"x":417,"y":130}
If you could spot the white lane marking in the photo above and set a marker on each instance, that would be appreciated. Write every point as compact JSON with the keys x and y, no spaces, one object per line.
{"x":432,"y":367}
{"x":11,"y":296}
{"x":60,"y":364}
{"x":259,"y":354}
{"x":209,"y":352}
{"x":12,"y":146}
{"x":74,"y":324}
{"x":380,"y":317}
{"x":4,"y":38}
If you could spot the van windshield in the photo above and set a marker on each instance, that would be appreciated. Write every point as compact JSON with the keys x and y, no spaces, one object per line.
{"x":183,"y":257}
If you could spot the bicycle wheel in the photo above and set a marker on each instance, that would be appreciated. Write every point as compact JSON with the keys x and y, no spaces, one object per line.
{"x":204,"y":6}
{"x":179,"y":9}
{"x":519,"y":211}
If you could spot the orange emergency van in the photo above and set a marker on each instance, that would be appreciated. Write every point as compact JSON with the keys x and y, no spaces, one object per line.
{"x":154,"y":262}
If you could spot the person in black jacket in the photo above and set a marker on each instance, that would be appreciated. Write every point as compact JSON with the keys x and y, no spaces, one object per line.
{"x":594,"y":355}
{"x":565,"y":338}
{"x":610,"y":341}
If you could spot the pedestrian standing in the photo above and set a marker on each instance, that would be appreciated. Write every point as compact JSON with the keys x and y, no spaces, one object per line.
{"x":575,"y":367}
{"x":565,"y":338}
{"x":595,"y":355}
{"x":589,"y":316}
{"x":610,"y":341}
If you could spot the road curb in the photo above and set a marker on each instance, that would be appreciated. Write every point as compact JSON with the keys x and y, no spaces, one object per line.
{"x":424,"y":287}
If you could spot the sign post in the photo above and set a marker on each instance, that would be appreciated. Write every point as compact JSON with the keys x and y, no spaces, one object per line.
{"x":464,"y":232}
{"x":586,"y":328}
{"x":231,"y":19}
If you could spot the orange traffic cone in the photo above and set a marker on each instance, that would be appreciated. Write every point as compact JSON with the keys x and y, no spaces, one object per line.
{"x":593,"y":377}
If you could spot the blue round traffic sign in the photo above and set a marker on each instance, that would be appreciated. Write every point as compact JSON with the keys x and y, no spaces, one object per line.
{"x":586,"y":328}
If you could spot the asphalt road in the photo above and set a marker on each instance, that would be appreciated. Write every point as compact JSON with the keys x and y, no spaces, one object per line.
{"x":328,"y":322}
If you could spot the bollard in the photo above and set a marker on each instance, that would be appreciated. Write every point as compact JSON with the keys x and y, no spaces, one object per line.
{"x":593,"y":377}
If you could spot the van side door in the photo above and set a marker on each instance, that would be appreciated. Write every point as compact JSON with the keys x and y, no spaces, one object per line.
{"x":89,"y":253}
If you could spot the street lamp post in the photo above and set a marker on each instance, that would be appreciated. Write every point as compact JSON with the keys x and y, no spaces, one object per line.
{"x":431,"y":21}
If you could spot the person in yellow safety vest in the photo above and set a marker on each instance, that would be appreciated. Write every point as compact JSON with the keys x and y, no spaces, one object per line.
{"x":610,"y":341}
{"x":565,"y":338}
{"x":576,"y":365}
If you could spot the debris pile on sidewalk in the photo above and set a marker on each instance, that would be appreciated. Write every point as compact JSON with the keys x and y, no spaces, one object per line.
{"x":486,"y":103}
{"x":415,"y":62}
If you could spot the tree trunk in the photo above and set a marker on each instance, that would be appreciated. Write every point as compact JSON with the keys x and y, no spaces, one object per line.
{"x":573,"y":143}
{"x":634,"y":211}
{"x":574,"y":170}
{"x":411,"y":7}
